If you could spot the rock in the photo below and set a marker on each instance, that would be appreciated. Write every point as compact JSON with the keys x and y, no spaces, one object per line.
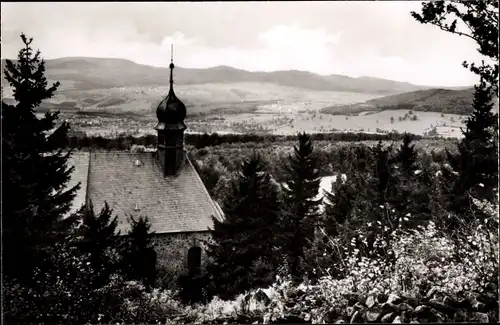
{"x":372,"y":317}
{"x":480,"y":317}
{"x":370,"y":302}
{"x":388,"y":318}
{"x":357,"y":317}
{"x":397,"y":320}
{"x":394,"y":299}
{"x":341,"y":321}
{"x":414,"y":321}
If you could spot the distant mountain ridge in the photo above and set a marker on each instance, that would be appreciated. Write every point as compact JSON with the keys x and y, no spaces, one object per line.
{"x":84,"y":73}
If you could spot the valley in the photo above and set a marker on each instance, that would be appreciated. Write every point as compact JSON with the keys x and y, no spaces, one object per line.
{"x":112,"y":96}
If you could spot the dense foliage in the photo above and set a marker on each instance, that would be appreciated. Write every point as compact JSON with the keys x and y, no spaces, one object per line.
{"x":128,"y":142}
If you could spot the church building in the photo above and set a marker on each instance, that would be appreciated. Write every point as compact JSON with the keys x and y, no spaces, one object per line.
{"x":162,"y":185}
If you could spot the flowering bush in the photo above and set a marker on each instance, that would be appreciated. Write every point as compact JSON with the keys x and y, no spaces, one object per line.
{"x":431,"y":277}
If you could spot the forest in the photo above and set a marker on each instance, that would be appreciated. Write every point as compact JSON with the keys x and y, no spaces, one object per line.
{"x":407,"y":234}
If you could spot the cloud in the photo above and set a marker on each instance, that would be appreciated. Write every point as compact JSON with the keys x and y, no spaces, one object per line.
{"x":378,"y":39}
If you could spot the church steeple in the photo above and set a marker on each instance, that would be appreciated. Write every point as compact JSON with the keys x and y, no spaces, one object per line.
{"x":171,"y":113}
{"x":171,"y":69}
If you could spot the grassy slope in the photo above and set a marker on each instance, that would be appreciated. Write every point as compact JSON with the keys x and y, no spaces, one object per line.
{"x":430,"y":100}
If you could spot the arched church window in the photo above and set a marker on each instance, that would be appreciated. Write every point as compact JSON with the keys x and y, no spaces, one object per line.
{"x":194,"y":260}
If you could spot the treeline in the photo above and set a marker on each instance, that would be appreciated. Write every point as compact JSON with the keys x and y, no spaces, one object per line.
{"x":82,"y":141}
{"x":217,"y":163}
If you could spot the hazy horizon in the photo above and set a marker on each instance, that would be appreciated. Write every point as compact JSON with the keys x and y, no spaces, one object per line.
{"x":354,"y":39}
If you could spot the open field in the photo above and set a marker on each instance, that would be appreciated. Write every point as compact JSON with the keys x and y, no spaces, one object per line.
{"x":277,"y":122}
{"x":219,"y":98}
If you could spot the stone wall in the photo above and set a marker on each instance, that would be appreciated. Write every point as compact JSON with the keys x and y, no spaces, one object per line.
{"x":172,"y":253}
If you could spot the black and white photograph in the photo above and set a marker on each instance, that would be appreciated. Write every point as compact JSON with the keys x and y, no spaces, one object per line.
{"x":250,"y":162}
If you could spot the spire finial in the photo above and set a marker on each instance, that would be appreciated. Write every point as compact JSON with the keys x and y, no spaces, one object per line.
{"x":171,"y":67}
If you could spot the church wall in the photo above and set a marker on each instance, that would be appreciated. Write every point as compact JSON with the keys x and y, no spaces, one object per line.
{"x":172,"y":252}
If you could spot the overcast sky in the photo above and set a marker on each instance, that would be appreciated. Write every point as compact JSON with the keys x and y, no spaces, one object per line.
{"x":378,"y":39}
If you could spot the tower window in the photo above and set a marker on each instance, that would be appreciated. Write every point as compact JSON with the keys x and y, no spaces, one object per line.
{"x":194,"y":260}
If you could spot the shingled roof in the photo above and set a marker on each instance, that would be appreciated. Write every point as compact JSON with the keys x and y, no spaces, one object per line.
{"x":80,"y":160}
{"x":133,"y":184}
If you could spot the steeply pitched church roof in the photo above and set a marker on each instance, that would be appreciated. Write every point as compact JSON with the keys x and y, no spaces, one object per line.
{"x":133,"y":184}
{"x":80,"y":160}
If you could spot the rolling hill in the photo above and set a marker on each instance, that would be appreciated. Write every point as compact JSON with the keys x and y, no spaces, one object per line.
{"x":429,"y":100}
{"x":98,"y":73}
{"x":118,"y":86}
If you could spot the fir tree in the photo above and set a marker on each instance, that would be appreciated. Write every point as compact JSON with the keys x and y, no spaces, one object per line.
{"x":244,"y":249}
{"x":98,"y":240}
{"x":407,"y":156}
{"x":300,"y":194}
{"x":474,"y":169}
{"x":139,"y":256}
{"x":35,"y":170}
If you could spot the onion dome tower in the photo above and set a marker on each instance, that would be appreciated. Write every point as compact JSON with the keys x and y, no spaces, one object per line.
{"x":171,"y":113}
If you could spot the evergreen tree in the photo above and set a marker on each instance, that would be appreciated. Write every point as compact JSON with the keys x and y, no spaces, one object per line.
{"x":245,"y":244}
{"x":98,"y":240}
{"x":407,"y":156}
{"x":35,"y":170}
{"x":139,"y":256}
{"x":474,"y":169}
{"x":300,"y":194}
